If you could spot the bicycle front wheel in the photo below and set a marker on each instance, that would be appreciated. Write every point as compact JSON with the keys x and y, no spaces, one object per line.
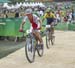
{"x":48,"y":40}
{"x":30,"y":50}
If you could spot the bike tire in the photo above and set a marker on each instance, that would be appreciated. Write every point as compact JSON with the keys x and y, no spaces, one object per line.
{"x":52,"y":40}
{"x":30,"y":42}
{"x":47,"y":41}
{"x":40,"y":51}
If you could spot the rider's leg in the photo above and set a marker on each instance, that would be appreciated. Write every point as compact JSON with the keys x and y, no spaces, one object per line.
{"x":52,"y":30}
{"x":52,"y":27}
{"x":38,"y":36}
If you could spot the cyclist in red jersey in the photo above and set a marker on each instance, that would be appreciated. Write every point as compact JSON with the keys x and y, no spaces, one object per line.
{"x":36,"y":24}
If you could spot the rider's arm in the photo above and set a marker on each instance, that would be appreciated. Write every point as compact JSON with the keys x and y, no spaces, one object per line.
{"x":23,"y":22}
{"x":44,"y":17}
{"x":53,"y":15}
{"x":40,"y":23}
{"x":21,"y":26}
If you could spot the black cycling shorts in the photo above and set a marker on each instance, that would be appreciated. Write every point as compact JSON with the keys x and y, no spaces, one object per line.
{"x":50,"y":20}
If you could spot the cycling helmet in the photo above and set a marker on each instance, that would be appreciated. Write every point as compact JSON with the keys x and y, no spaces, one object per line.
{"x":28,"y":11}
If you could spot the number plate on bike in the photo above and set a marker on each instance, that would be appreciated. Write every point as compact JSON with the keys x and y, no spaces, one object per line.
{"x":48,"y":26}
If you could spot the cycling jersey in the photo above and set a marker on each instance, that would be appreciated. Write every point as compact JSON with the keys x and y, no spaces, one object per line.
{"x":34,"y":22}
{"x":49,"y":17}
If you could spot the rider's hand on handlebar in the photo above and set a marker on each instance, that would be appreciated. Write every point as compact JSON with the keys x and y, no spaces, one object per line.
{"x":21,"y":30}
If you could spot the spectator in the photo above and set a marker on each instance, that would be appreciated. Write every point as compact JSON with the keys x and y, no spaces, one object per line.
{"x":72,"y":14}
{"x":17,"y":14}
{"x":5,"y":14}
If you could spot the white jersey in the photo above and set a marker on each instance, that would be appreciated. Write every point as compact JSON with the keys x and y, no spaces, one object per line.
{"x":35,"y":19}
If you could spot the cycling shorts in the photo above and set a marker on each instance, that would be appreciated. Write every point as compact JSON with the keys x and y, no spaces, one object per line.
{"x":50,"y":20}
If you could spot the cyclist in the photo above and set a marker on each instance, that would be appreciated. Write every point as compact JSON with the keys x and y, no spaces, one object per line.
{"x":50,"y":17}
{"x":35,"y":24}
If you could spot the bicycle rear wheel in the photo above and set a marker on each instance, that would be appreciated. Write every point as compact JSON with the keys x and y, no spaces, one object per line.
{"x":52,"y":40}
{"x":30,"y":50}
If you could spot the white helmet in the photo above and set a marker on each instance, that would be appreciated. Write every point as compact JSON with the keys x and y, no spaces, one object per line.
{"x":28,"y":11}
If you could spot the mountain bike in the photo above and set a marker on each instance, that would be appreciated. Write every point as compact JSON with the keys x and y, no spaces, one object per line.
{"x":31,"y":46}
{"x":50,"y":39}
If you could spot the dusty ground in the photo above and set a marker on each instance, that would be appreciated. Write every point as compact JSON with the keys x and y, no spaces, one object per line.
{"x":61,"y":55}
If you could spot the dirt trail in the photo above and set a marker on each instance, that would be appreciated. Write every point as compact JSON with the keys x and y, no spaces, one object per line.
{"x":61,"y":55}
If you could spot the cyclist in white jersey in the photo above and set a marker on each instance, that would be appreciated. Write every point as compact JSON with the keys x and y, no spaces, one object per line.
{"x":36,"y":24}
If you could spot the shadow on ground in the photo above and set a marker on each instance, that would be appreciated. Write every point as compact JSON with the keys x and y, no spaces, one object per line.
{"x":8,"y":47}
